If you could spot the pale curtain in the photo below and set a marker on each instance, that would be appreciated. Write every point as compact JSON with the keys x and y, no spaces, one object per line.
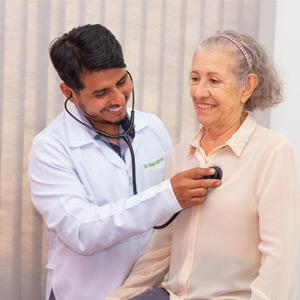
{"x":158,"y":39}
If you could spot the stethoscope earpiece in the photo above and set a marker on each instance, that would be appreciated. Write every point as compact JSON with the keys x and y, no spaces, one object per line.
{"x":103,"y":133}
{"x":123,"y":135}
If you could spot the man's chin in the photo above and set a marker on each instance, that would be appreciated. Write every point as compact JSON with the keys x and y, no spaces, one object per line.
{"x":117,"y":120}
{"x":122,"y":117}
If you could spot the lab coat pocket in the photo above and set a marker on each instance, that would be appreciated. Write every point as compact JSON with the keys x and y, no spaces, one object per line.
{"x":152,"y":173}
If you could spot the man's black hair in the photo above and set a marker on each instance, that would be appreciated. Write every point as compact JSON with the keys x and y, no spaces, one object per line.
{"x":86,"y":48}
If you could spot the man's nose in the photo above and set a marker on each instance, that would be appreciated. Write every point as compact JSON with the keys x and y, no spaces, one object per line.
{"x":116,"y":96}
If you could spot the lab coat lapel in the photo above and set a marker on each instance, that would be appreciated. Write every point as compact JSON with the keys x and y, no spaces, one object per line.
{"x":77,"y":134}
{"x":110,"y":155}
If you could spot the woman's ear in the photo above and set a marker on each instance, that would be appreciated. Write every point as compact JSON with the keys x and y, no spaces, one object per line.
{"x":251,"y":84}
{"x":67,"y":91}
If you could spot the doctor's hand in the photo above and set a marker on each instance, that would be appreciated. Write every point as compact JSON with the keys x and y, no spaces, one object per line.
{"x":190,"y":188}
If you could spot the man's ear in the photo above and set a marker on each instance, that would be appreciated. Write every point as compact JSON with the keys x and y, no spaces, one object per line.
{"x":251,"y":84}
{"x":67,"y":91}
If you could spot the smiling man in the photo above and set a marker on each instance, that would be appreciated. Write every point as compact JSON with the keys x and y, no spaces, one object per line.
{"x":82,"y":171}
{"x":103,"y":101}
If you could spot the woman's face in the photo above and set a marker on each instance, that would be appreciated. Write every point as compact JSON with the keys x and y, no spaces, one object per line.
{"x":217,"y":97}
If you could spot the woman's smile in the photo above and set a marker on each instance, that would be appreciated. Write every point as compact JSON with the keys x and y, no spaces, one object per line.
{"x":204,"y":106}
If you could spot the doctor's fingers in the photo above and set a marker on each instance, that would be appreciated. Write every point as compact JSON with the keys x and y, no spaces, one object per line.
{"x":181,"y":182}
{"x":187,"y":198}
{"x":204,"y":183}
{"x":197,"y":172}
{"x":193,"y":201}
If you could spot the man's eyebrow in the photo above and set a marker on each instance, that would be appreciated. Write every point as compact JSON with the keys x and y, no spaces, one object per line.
{"x":99,"y":91}
{"x":124,"y":76}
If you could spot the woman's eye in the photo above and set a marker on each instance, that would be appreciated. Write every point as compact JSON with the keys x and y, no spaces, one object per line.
{"x":214,"y":81}
{"x":195,"y":79}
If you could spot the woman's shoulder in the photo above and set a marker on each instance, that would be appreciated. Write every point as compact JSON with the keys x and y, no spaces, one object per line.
{"x":270,"y":137}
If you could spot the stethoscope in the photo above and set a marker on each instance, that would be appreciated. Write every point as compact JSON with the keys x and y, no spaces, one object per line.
{"x":125,"y":136}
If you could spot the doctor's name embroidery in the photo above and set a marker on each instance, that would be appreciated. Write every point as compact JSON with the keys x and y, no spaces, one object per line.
{"x":153,"y":163}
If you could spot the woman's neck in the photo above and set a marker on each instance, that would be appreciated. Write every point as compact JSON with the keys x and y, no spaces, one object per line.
{"x":213,"y":138}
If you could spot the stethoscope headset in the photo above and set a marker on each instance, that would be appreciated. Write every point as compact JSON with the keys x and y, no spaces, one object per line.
{"x":122,"y":135}
{"x":125,"y":136}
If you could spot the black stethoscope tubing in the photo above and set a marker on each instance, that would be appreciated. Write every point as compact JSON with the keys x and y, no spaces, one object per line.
{"x":123,"y":135}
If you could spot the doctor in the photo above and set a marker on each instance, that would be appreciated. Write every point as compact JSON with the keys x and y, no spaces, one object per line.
{"x":82,"y":182}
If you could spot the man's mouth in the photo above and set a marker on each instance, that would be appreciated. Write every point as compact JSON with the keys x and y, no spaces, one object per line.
{"x":114,"y":108}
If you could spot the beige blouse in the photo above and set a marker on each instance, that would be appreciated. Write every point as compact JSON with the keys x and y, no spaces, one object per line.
{"x":242,"y":242}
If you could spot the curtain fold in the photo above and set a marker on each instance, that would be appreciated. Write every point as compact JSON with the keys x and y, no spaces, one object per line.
{"x":158,"y":39}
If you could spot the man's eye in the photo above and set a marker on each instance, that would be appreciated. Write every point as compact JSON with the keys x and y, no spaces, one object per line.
{"x":100,"y":94}
{"x":121,"y":82}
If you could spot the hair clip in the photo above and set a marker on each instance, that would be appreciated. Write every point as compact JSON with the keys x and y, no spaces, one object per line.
{"x":239,"y":45}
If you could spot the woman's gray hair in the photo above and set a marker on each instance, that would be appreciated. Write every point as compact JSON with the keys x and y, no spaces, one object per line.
{"x":268,"y":91}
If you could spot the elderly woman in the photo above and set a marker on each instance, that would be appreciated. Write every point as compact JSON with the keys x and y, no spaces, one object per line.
{"x":242,"y":242}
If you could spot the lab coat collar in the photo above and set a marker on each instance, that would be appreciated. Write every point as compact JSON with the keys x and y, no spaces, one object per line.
{"x":78,"y":135}
{"x":239,"y":139}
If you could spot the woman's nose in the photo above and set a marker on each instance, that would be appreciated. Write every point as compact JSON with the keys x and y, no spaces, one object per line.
{"x":201,"y":90}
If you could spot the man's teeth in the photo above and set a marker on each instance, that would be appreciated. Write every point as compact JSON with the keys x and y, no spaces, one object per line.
{"x":114,"y":109}
{"x":205,"y":106}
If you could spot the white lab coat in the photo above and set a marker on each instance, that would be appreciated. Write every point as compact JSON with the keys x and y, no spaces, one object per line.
{"x":82,"y":188}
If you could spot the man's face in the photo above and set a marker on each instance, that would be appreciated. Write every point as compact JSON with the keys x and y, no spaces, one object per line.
{"x":104,"y":99}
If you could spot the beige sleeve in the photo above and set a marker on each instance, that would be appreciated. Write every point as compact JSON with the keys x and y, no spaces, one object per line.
{"x":279,"y":211}
{"x":150,"y":269}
